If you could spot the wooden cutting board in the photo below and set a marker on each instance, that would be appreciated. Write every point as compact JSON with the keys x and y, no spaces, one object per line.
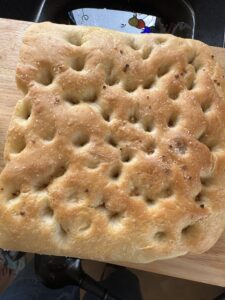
{"x":208,"y":267}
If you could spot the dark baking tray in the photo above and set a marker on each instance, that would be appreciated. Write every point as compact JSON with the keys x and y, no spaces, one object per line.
{"x":172,"y":11}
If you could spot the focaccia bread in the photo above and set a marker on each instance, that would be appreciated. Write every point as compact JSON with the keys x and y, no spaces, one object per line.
{"x":117,"y":149}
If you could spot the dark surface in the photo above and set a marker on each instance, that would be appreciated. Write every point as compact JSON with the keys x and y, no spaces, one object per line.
{"x":57,"y":271}
{"x":210,"y":21}
{"x":19,"y":10}
{"x":210,"y":14}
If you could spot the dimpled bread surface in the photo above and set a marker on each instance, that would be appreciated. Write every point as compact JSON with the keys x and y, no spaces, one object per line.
{"x":116,"y":150}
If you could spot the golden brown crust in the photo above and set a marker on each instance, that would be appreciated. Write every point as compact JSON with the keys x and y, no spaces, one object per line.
{"x":116,"y":151}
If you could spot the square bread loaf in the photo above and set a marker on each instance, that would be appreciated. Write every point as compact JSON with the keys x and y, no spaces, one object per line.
{"x":116,"y":151}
